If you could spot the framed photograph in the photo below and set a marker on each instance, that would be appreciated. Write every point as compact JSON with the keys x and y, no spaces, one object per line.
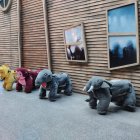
{"x":5,"y":5}
{"x":122,"y":34}
{"x":74,"y":42}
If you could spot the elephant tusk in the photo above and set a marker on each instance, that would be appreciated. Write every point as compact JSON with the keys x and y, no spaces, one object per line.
{"x":91,"y":89}
{"x":84,"y":89}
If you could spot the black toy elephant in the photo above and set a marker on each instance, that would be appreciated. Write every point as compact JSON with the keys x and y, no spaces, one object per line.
{"x":121,"y":92}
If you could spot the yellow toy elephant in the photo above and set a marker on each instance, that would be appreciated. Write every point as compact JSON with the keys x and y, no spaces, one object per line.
{"x":8,"y":76}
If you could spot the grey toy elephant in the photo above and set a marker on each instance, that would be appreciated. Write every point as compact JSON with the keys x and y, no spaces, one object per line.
{"x":121,"y":92}
{"x":53,"y":82}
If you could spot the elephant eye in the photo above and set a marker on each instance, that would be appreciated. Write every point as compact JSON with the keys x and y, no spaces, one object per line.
{"x":45,"y":74}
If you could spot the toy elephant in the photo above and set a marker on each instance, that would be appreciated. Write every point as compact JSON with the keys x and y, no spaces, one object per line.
{"x":26,"y":79}
{"x":121,"y":92}
{"x":8,"y":76}
{"x":54,"y":82}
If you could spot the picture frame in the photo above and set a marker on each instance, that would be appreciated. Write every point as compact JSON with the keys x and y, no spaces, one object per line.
{"x":74,"y":42}
{"x":122,"y":41}
{"x":5,"y":5}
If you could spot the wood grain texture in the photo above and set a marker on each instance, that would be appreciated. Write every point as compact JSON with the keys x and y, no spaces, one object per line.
{"x":9,"y":36}
{"x":63,"y":14}
{"x":34,"y":53}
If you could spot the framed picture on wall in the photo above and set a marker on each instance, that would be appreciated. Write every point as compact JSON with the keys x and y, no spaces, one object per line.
{"x":122,"y":27}
{"x":5,"y":5}
{"x":74,"y":42}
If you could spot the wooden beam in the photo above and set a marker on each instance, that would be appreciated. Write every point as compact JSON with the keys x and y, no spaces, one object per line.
{"x":47,"y":33}
{"x":19,"y":31}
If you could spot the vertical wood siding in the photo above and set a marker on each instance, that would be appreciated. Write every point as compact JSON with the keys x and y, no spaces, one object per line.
{"x":64,"y":13}
{"x":34,"y":54}
{"x":9,"y":36}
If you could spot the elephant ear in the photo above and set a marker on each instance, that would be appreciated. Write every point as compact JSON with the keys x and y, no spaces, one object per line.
{"x":106,"y":84}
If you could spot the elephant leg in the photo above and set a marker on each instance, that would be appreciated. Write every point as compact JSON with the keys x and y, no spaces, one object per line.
{"x":87,"y":100}
{"x":104,"y":101}
{"x":28,"y":89}
{"x":90,"y":96}
{"x":59,"y":91}
{"x":52,"y":96}
{"x":8,"y":87}
{"x":68,"y":87}
{"x":93,"y":103}
{"x":130,"y":100}
{"x":119,"y":100}
{"x":92,"y":100}
{"x":102,"y":106}
{"x":42,"y":93}
{"x":130,"y":108}
{"x":29,"y":86}
{"x":119,"y":103}
{"x":4,"y":85}
{"x":18,"y":87}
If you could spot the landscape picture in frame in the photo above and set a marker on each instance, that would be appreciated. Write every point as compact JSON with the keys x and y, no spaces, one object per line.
{"x":123,"y":48}
{"x":74,"y":41}
{"x":122,"y":51}
{"x":122,"y":19}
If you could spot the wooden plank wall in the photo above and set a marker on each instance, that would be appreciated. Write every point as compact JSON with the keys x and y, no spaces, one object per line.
{"x":34,"y":54}
{"x":9,"y":37}
{"x":64,"y":13}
